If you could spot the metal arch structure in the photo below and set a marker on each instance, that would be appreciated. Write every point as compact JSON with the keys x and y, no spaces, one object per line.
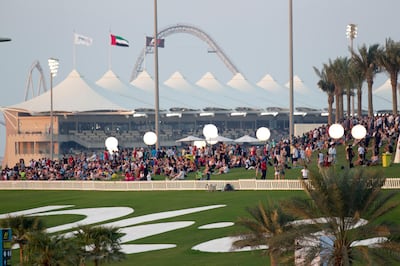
{"x":189,"y":29}
{"x":29,"y":82}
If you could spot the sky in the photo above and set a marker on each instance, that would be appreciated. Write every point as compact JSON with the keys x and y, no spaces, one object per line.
{"x":254,"y":34}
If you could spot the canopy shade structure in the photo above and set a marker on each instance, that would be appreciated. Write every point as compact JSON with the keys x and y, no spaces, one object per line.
{"x":73,"y":94}
{"x":134,"y":97}
{"x":190,"y":93}
{"x":219,"y":139}
{"x":228,"y":96}
{"x":168,"y":99}
{"x":306,"y":97}
{"x":253,"y":96}
{"x":189,"y":139}
{"x":247,"y":139}
{"x":269,"y":84}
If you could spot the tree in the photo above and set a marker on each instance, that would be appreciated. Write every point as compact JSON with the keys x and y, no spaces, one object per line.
{"x":358,"y":79}
{"x":346,"y":206}
{"x":266,"y":222}
{"x":99,"y":244}
{"x":22,"y":227}
{"x":328,"y":87}
{"x":337,"y":71}
{"x":45,"y":249}
{"x":389,"y":59}
{"x":366,"y":62}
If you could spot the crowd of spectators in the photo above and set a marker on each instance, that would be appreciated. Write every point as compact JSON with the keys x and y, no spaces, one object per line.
{"x":174,"y":163}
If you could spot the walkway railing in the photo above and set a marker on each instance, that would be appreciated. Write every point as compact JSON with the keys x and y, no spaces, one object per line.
{"x":210,"y":185}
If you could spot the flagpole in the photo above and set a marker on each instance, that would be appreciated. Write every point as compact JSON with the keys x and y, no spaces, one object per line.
{"x":145,"y":53}
{"x":73,"y":52}
{"x":109,"y":53}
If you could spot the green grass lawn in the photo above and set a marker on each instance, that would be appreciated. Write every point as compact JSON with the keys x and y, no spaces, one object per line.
{"x":152,"y":202}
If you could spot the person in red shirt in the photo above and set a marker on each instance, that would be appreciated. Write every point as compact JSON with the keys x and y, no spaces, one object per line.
{"x":263,"y":167}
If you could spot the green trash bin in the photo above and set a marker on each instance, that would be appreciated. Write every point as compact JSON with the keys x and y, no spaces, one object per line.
{"x":386,"y":159}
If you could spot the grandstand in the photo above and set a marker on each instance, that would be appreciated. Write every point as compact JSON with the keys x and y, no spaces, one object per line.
{"x":85,"y":113}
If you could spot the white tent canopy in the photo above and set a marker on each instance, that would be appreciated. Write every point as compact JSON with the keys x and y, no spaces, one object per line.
{"x":269,"y":84}
{"x":305,"y":97}
{"x":73,"y":94}
{"x":189,"y":139}
{"x":223,"y":96}
{"x":168,"y":98}
{"x":189,"y":93}
{"x":134,"y":97}
{"x":247,"y":139}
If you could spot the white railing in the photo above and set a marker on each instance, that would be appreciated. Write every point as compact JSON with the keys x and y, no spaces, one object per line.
{"x":210,"y":185}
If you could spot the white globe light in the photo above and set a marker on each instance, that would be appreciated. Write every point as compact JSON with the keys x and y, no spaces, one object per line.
{"x":200,"y":143}
{"x":263,"y":134}
{"x":358,"y":132}
{"x":212,"y":141}
{"x":111,"y":144}
{"x":150,"y":138}
{"x":210,"y":131}
{"x":336,"y":131}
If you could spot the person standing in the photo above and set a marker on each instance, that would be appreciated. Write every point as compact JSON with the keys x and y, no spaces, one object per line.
{"x":361,"y":154}
{"x":350,"y":155}
{"x":263,"y":167}
{"x":305,"y":172}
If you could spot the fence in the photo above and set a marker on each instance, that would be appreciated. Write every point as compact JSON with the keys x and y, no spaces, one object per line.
{"x":210,"y":185}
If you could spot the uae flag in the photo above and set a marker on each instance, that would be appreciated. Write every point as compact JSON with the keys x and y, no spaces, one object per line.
{"x":119,"y":41}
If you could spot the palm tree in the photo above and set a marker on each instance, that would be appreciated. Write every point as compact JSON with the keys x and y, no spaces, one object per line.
{"x":22,"y":228}
{"x":100,"y":244}
{"x":46,"y":250}
{"x":366,"y":62}
{"x":347,"y":206}
{"x":329,"y":88}
{"x":389,"y":59}
{"x":266,"y":222}
{"x":349,"y":87}
{"x":337,"y":72}
{"x":358,"y":79}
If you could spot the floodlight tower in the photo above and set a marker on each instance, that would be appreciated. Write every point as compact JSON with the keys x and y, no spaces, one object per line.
{"x":53,"y":65}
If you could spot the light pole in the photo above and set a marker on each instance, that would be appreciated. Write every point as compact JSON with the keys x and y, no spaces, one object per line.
{"x":157,"y":98}
{"x":53,"y":65}
{"x":351,"y":33}
{"x":291,"y":122}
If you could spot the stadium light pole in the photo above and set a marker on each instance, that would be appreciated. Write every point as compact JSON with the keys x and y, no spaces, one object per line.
{"x":157,"y":98}
{"x":351,"y":33}
{"x":291,"y":122}
{"x":53,"y":65}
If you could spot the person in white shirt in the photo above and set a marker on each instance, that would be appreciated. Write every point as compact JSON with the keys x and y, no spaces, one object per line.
{"x":332,"y":153}
{"x":305,"y":172}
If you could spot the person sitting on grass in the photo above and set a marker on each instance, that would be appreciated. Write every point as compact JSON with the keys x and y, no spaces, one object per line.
{"x":180,"y":175}
{"x":224,"y":169}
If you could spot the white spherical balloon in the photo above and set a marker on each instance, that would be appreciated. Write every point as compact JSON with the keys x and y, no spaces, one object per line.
{"x":111,"y":144}
{"x":263,"y":134}
{"x":358,"y":132}
{"x":150,"y":138}
{"x":210,"y":131}
{"x":336,"y":131}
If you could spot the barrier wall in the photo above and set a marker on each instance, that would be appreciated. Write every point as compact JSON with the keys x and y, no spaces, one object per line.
{"x":211,"y":185}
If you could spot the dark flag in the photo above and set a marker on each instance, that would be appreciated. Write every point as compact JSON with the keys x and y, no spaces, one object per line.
{"x":150,"y":42}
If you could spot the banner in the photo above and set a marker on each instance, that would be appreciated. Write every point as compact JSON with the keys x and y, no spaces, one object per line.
{"x":81,"y":39}
{"x":150,"y":42}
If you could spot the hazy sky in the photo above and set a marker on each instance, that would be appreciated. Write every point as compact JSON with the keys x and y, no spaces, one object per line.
{"x":253,"y":33}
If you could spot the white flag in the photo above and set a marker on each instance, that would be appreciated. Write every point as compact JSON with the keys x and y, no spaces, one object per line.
{"x":81,"y":39}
